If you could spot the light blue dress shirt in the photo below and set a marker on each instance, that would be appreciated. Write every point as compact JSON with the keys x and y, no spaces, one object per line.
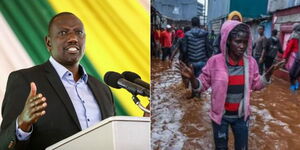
{"x":86,"y":107}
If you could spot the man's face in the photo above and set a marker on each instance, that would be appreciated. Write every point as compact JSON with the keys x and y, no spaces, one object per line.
{"x":238,"y":45}
{"x":66,"y":40}
{"x":260,"y":31}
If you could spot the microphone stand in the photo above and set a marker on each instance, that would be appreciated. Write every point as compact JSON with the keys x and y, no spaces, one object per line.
{"x":137,"y":102}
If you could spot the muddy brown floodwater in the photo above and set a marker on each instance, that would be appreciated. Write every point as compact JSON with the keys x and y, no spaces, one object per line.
{"x":182,"y":123}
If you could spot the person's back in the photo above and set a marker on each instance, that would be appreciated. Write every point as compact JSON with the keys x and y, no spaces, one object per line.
{"x":166,"y":39}
{"x":196,"y":46}
{"x":274,"y":47}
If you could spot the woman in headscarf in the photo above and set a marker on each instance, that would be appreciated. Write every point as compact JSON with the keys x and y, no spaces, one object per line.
{"x":291,"y":57}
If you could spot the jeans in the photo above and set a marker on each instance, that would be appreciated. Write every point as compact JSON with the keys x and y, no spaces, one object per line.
{"x":240,"y":131}
{"x":198,"y":67}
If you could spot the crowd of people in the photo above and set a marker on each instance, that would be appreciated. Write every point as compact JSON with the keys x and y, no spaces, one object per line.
{"x":195,"y":46}
{"x":231,"y":65}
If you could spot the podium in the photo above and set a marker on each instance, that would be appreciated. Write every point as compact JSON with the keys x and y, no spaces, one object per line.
{"x":114,"y":133}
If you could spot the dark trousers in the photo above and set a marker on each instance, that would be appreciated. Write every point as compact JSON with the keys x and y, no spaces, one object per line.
{"x":260,"y":66}
{"x":295,"y":71}
{"x":198,"y":67}
{"x":268,"y":62}
{"x":240,"y":131}
{"x":166,"y":52}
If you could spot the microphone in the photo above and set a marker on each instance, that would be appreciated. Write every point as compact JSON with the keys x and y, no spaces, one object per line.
{"x":116,"y":80}
{"x":135,"y":78}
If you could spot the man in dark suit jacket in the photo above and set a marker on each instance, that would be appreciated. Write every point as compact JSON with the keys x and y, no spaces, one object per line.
{"x":52,"y":101}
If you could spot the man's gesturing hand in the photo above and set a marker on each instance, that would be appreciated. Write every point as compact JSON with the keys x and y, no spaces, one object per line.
{"x":33,"y":110}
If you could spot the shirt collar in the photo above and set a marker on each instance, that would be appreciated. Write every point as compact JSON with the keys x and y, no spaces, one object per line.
{"x":61,"y":70}
{"x":233,"y":63}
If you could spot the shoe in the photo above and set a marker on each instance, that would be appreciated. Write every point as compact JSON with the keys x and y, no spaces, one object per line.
{"x":297,"y":85}
{"x":293,"y":87}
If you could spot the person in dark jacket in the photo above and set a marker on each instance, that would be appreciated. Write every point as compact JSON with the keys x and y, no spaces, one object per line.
{"x":196,"y":46}
{"x":273,"y":47}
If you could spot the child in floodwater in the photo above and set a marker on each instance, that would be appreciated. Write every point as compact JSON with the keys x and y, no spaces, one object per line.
{"x":232,"y":75}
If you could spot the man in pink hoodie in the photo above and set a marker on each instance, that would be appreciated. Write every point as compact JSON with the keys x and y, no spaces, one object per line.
{"x":232,"y":75}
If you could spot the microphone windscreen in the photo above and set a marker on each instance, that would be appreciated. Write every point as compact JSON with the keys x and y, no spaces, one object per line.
{"x":111,"y":78}
{"x":130,"y":76}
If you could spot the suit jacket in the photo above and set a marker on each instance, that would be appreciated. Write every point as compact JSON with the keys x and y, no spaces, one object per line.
{"x":60,"y":120}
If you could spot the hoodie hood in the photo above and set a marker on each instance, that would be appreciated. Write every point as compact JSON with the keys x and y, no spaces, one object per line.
{"x":197,"y":32}
{"x":225,"y":30}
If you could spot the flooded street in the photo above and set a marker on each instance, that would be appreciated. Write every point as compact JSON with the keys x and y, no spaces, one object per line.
{"x":182,"y":123}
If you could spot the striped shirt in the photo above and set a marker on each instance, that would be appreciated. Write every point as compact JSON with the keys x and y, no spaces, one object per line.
{"x":236,"y":85}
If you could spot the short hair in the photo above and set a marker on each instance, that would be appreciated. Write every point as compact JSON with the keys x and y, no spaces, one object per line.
{"x":186,"y":29}
{"x":54,"y":17}
{"x":239,"y":28}
{"x":274,"y":32}
{"x":195,"y":22}
{"x":261,"y":26}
